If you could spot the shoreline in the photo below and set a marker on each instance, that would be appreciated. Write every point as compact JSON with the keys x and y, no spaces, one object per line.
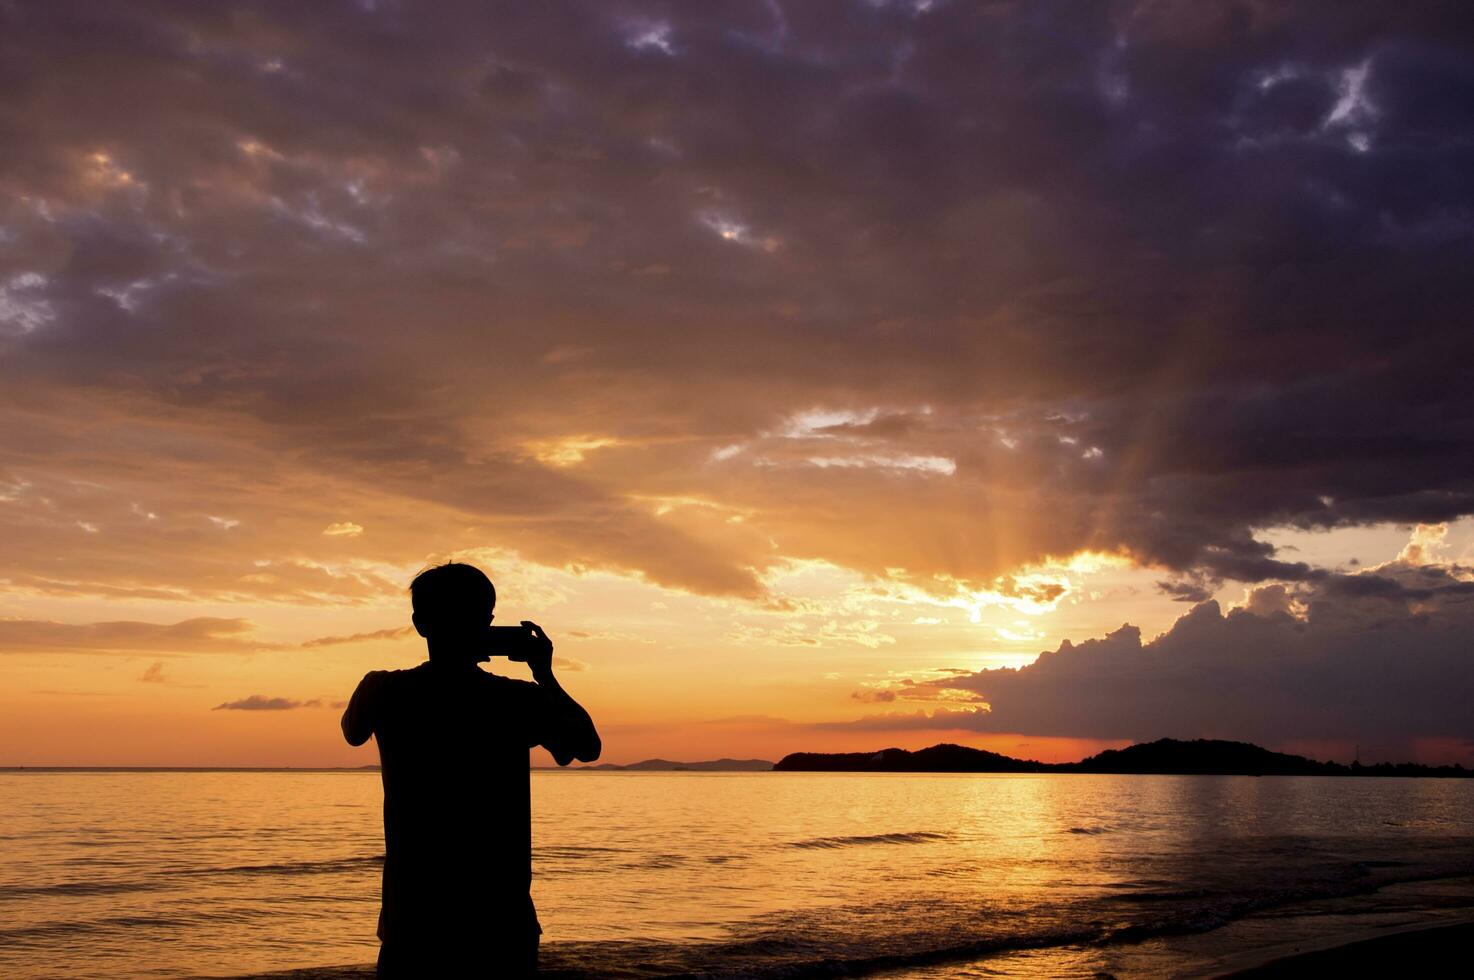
{"x":1390,"y":951}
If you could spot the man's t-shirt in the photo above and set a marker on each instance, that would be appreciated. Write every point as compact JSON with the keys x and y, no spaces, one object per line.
{"x":453,"y":743}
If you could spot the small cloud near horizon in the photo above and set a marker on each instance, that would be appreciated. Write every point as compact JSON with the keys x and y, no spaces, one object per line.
{"x":390,"y":633}
{"x":260,"y":702}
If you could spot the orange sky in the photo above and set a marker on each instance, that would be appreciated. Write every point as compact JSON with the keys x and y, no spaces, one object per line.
{"x":666,"y":673}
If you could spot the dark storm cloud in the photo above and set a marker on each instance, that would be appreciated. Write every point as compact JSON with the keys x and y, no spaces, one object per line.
{"x":1145,"y":278}
{"x":1388,"y":660}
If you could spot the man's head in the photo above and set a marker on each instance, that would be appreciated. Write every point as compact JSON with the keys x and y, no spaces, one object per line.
{"x":452,"y":603}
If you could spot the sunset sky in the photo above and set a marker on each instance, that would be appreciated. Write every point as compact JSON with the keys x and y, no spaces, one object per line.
{"x":821,"y":376}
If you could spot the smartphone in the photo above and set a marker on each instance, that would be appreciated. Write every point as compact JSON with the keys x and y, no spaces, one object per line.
{"x":511,"y":642}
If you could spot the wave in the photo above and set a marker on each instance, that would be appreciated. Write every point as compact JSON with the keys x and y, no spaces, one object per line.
{"x":933,"y":930}
{"x":780,"y":957}
{"x":1190,"y":894}
{"x":860,"y":940}
{"x":166,"y":879}
{"x":574,"y":850}
{"x":766,"y":958}
{"x":76,"y":888}
{"x":328,"y":866}
{"x":915,"y":837}
{"x":153,"y":923}
{"x":655,"y":862}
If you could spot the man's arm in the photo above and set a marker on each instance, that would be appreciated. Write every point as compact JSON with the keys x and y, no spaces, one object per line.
{"x":358,"y":717}
{"x":567,"y":732}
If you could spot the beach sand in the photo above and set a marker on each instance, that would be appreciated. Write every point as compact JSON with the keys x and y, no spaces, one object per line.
{"x":1413,"y":952}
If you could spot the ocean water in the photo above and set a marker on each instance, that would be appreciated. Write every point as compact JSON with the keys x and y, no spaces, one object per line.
{"x":172,"y":874}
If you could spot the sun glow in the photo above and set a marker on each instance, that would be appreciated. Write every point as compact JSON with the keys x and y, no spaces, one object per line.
{"x":567,"y":450}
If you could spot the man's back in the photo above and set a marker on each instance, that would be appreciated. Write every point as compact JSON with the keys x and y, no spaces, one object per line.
{"x":453,"y":743}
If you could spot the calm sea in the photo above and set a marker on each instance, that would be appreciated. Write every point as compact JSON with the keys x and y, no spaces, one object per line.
{"x":762,"y":874}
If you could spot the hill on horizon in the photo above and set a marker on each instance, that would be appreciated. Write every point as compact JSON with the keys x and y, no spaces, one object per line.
{"x":944,"y":757}
{"x":1165,"y":756}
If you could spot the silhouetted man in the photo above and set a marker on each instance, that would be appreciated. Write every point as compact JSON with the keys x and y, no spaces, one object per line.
{"x":453,"y":740}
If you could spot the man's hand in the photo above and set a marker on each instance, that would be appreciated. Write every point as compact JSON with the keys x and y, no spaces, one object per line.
{"x":539,"y":651}
{"x":569,"y":732}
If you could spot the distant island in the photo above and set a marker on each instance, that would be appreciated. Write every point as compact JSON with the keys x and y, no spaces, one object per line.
{"x":666,"y":765}
{"x":1164,"y":757}
{"x":1167,"y":756}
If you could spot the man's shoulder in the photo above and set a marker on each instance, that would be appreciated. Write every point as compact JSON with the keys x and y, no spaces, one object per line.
{"x":380,"y":676}
{"x":379,"y":680}
{"x":510,"y":685}
{"x":511,"y":692}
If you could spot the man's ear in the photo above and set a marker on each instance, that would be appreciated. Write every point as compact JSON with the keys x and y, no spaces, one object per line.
{"x":419,"y":627}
